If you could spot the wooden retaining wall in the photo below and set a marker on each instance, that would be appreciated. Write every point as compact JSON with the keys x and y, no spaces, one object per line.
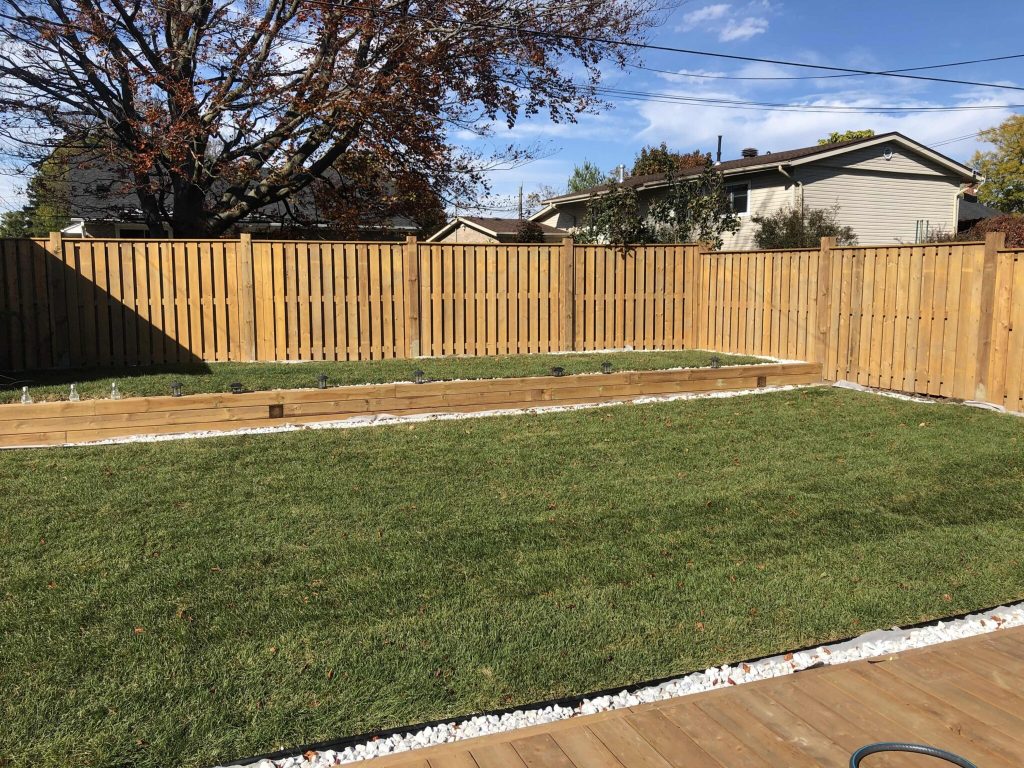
{"x":63,"y":423}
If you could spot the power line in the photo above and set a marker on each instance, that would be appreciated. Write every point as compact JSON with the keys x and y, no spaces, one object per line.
{"x":904,"y":73}
{"x":822,"y":77}
{"x":672,"y":98}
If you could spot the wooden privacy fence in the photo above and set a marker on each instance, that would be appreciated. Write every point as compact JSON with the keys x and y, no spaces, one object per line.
{"x":940,"y":319}
{"x":92,"y":302}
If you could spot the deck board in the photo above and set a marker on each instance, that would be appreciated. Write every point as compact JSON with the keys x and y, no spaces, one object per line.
{"x":964,"y":696}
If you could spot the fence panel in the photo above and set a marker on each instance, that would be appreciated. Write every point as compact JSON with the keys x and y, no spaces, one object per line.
{"x":635,"y":297}
{"x":489,"y":299}
{"x":1004,"y":380}
{"x":908,"y":318}
{"x":760,"y":302}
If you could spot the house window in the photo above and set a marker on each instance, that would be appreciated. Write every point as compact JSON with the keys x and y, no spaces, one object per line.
{"x":738,"y":195}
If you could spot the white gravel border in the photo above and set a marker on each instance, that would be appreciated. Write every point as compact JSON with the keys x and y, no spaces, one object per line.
{"x":382,"y":419}
{"x":867,"y":646}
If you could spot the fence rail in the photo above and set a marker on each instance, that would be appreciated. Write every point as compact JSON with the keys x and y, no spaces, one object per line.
{"x":941,"y":319}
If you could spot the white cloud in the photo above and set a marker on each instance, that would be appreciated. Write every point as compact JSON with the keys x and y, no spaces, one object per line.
{"x":698,"y":125}
{"x":743,"y":29}
{"x":703,"y":15}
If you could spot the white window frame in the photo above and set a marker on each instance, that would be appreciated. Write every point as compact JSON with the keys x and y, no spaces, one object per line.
{"x":739,"y":184}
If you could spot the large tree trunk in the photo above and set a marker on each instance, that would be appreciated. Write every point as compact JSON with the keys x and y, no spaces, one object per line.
{"x":189,"y":217}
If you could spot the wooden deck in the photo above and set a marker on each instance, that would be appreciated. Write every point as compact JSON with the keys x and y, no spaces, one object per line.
{"x":965,"y":696}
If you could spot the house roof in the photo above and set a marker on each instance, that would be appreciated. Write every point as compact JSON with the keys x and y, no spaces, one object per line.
{"x":972,"y":210}
{"x":774,"y":159}
{"x":489,"y":225}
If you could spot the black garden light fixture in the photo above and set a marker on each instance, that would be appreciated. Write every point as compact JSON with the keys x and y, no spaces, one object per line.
{"x":419,"y":376}
{"x":175,"y":389}
{"x":321,"y":381}
{"x":236,"y":388}
{"x":606,"y":366}
{"x":558,"y":371}
{"x":716,"y":361}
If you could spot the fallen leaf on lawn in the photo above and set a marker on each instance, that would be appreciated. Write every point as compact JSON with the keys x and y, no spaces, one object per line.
{"x":948,"y":598}
{"x":139,"y":630}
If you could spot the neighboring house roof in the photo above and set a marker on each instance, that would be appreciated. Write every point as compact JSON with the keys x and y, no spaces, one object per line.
{"x":771,"y":160}
{"x":495,"y":227}
{"x":971,"y":210}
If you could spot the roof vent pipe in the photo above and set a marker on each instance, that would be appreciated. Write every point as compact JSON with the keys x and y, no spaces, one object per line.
{"x":718,"y":155}
{"x":749,"y":152}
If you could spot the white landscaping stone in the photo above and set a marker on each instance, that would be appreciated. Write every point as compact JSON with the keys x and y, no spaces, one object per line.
{"x":872,"y":644}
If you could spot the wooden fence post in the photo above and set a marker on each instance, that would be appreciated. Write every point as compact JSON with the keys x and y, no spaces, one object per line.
{"x":411,"y":272}
{"x":693,"y":336}
{"x":994,"y":242}
{"x":56,"y":277}
{"x":246,"y":298}
{"x":567,"y":291}
{"x":823,"y":321}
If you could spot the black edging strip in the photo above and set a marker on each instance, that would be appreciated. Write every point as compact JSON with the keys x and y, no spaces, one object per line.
{"x":339,"y":744}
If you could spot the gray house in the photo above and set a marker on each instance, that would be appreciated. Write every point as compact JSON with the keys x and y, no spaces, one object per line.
{"x":889,"y":189}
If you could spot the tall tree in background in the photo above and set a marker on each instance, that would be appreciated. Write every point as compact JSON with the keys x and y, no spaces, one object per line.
{"x":1003,"y":166}
{"x":584,"y":177}
{"x":661,"y":159}
{"x":47,"y":207}
{"x":836,"y":136}
{"x":212,"y":109}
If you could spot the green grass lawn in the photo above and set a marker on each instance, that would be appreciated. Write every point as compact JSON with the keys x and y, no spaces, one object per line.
{"x":191,"y":602}
{"x":217,"y":377}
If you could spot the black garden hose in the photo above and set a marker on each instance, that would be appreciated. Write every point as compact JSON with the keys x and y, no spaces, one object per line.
{"x":919,"y":749}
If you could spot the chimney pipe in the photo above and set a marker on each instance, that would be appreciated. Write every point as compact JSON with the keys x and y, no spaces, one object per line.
{"x":718,"y":155}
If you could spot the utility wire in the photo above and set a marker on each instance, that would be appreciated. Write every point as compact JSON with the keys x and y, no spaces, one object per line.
{"x":821,"y":77}
{"x":905,"y":73}
{"x":672,"y":98}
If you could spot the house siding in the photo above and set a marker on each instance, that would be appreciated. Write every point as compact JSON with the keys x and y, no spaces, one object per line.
{"x":567,"y":216}
{"x":464,"y":234}
{"x":768,"y":193}
{"x":882,"y":208}
{"x":873,"y":159}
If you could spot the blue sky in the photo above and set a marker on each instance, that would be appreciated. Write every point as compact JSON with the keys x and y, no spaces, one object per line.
{"x":863,"y":35}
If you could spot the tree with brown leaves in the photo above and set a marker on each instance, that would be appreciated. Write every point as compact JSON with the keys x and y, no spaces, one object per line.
{"x":213,"y":109}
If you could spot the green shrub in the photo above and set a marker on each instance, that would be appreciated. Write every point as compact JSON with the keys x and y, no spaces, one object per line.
{"x":796,"y":228}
